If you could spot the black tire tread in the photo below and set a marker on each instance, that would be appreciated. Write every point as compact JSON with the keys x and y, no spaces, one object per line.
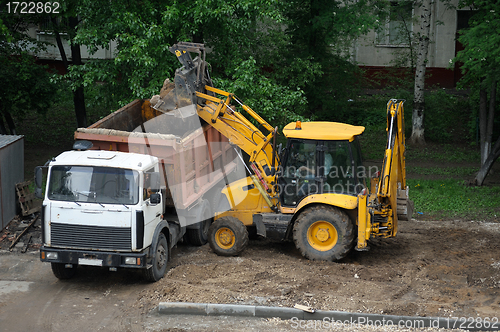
{"x":61,"y":272}
{"x":151,"y":274}
{"x":240,"y":232}
{"x":196,"y":236}
{"x":345,"y":232}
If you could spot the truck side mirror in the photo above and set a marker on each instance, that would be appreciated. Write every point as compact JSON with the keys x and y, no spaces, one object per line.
{"x":155,"y":199}
{"x":38,"y":182}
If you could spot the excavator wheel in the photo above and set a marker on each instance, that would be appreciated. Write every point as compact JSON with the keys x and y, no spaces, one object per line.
{"x":323,"y":233}
{"x":228,"y":236}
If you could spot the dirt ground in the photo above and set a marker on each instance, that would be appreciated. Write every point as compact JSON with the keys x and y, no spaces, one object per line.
{"x":448,"y":269}
{"x":431,"y":268}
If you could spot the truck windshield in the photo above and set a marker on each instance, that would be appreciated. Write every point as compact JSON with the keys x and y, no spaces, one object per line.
{"x":102,"y":185}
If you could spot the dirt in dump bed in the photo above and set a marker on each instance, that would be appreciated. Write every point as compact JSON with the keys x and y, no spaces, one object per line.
{"x":438,"y":268}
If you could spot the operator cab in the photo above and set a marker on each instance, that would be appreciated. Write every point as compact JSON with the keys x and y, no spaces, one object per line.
{"x":320,"y":158}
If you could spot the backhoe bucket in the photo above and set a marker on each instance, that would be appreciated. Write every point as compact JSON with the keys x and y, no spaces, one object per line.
{"x":404,"y":205}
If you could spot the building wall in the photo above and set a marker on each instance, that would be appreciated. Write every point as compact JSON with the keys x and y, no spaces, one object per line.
{"x":377,"y":58}
{"x":52,"y":52}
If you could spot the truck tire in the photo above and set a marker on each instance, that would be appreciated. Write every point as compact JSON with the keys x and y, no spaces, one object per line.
{"x":159,"y":260}
{"x":199,"y":236}
{"x":61,"y":272}
{"x":228,"y":236}
{"x":323,"y":233}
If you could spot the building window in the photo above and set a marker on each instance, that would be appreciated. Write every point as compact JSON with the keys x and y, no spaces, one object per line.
{"x":46,"y":25}
{"x":398,"y":28}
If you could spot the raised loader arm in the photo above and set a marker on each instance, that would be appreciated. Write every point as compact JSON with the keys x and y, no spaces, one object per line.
{"x":378,"y":214}
{"x":223,"y":116}
{"x":222,"y":113}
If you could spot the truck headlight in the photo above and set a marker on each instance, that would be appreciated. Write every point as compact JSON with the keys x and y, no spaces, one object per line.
{"x":52,"y":255}
{"x":130,"y":260}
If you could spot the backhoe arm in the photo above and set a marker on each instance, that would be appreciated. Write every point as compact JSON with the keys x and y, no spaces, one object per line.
{"x":378,"y":214}
{"x":393,"y":171}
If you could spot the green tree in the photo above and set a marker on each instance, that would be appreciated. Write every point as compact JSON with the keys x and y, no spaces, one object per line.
{"x":291,"y":46}
{"x":24,"y":85}
{"x":68,"y":22}
{"x":481,"y":65}
{"x":322,"y":33}
{"x":234,"y":32}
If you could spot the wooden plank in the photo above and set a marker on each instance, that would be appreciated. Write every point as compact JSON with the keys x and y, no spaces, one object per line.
{"x":27,"y":199}
{"x":23,"y":232}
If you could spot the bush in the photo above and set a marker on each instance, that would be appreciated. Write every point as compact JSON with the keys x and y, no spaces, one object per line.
{"x":448,"y":118}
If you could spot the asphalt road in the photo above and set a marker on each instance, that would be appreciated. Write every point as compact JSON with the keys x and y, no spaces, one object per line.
{"x":32,"y":299}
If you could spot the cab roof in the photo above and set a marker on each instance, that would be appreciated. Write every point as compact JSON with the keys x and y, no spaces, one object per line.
{"x":116,"y":159}
{"x":322,"y":130}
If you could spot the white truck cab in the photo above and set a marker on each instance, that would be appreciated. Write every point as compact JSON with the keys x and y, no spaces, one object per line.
{"x":104,"y":208}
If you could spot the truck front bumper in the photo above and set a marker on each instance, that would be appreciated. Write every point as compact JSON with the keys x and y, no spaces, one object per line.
{"x":93,"y":258}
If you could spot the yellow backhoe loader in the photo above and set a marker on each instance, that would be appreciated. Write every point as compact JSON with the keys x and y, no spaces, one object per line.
{"x":313,"y":191}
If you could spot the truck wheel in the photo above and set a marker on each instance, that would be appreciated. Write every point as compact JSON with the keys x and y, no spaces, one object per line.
{"x":160,"y":260}
{"x":228,"y":236}
{"x":61,"y":272}
{"x":199,"y":237}
{"x":323,"y":233}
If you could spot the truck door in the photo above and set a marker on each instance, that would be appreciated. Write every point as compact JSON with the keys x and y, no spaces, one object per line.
{"x":150,"y":214}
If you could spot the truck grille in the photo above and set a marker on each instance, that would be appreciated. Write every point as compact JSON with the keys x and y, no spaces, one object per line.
{"x":90,"y":237}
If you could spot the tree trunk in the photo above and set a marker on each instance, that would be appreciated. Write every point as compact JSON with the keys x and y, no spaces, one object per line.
{"x":80,"y":111}
{"x":59,"y":43}
{"x":491,"y":117}
{"x":3,"y":130}
{"x":8,"y":119}
{"x":78,"y":95}
{"x":484,"y":151}
{"x":76,"y":59}
{"x":486,"y":118}
{"x":417,"y":136}
{"x":488,"y":163}
{"x":10,"y":122}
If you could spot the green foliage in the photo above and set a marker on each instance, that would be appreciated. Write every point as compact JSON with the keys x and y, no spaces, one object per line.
{"x":56,"y":126}
{"x":24,"y":85}
{"x":4,"y":31}
{"x":278,"y":104}
{"x":481,"y":54}
{"x":443,"y":153}
{"x":448,"y":171}
{"x":449,"y":121}
{"x":323,"y":27}
{"x":144,"y":31}
{"x":323,"y":32}
{"x":450,"y":198}
{"x":448,"y":117}
{"x":13,"y":37}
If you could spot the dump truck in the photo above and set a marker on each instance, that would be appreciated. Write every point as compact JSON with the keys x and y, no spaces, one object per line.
{"x":314,"y":191}
{"x":135,"y":184}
